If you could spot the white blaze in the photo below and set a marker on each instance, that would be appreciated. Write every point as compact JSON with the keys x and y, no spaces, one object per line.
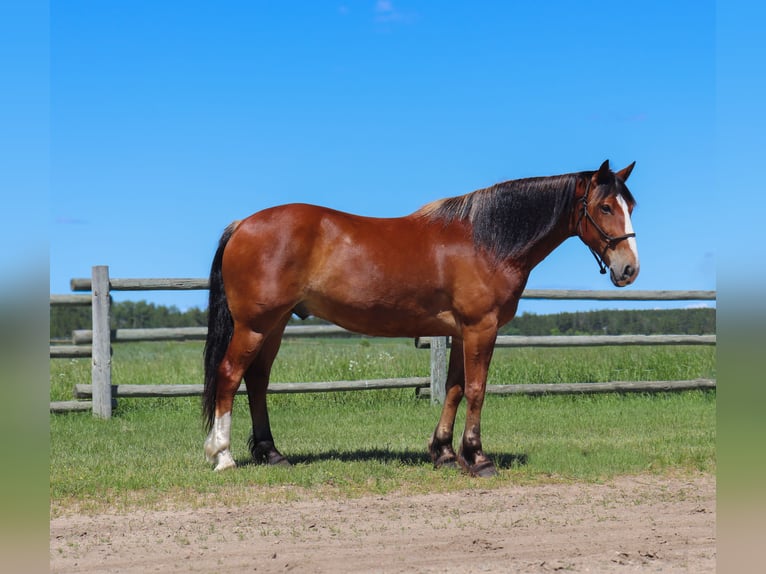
{"x":628,"y":227}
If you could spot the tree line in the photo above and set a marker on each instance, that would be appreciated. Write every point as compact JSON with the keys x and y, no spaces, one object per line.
{"x":143,"y":315}
{"x":124,"y":315}
{"x":615,"y":322}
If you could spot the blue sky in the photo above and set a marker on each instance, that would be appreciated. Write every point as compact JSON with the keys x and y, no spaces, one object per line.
{"x":170,"y":119}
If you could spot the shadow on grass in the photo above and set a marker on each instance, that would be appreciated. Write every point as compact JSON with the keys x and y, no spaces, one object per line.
{"x":405,"y":457}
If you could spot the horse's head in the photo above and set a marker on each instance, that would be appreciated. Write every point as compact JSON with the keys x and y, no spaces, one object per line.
{"x":603,"y":223}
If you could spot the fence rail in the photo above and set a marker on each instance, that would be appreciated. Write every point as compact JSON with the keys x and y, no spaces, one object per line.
{"x":85,"y":336}
{"x":184,"y":284}
{"x":515,"y":341}
{"x":71,"y":351}
{"x":101,"y":395}
{"x":538,"y":389}
{"x":70,"y":300}
{"x":188,"y":284}
{"x":86,"y":391}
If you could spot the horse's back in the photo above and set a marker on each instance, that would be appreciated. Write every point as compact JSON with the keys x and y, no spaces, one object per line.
{"x":331,"y":248}
{"x":322,"y":233}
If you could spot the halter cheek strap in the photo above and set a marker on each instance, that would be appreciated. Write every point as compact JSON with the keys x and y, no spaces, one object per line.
{"x":611,"y":241}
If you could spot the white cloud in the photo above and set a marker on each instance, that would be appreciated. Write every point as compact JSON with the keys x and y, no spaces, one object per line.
{"x":386,"y":13}
{"x":382,"y":6}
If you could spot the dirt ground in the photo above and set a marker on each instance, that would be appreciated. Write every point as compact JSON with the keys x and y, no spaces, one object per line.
{"x":635,"y":524}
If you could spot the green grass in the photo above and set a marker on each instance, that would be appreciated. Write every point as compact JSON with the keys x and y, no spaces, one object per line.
{"x":351,"y":443}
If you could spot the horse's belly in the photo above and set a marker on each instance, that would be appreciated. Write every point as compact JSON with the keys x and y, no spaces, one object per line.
{"x":384,"y":319}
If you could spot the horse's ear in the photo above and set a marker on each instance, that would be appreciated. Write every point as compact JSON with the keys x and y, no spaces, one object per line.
{"x":625,"y":172}
{"x":603,"y":174}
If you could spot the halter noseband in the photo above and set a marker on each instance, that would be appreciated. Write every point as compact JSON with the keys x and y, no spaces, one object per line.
{"x":611,"y":242}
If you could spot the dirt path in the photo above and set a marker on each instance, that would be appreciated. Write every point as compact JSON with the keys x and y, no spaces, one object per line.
{"x":637,"y":524}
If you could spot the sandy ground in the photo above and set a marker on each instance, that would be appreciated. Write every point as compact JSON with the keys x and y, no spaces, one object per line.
{"x":635,"y":524}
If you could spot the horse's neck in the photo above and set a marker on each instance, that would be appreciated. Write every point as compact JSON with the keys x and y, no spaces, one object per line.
{"x":544,"y":246}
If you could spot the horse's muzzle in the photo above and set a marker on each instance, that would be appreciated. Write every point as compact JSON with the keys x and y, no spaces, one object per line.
{"x":623,"y":274}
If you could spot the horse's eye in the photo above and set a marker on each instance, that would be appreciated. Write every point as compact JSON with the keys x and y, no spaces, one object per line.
{"x":605,"y":209}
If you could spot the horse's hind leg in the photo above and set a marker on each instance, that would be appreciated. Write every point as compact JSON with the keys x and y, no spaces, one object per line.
{"x":243,"y":347}
{"x":440,"y":445}
{"x":257,"y":381}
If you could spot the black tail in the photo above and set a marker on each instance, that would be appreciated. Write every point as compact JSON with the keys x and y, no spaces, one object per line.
{"x":219,"y":329}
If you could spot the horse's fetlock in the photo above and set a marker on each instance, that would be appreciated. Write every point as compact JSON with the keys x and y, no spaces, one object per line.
{"x":471,"y":443}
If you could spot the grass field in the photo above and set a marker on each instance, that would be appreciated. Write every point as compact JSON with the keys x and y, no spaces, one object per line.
{"x":353,"y":443}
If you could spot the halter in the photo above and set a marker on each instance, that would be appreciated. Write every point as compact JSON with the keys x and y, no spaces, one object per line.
{"x":611,"y":242}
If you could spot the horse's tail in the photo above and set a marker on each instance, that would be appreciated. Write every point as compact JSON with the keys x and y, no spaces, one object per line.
{"x":220,"y":327}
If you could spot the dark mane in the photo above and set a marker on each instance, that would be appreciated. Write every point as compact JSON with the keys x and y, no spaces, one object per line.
{"x":508,"y":217}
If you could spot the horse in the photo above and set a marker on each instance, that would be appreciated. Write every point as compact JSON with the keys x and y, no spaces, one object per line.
{"x":455,"y":267}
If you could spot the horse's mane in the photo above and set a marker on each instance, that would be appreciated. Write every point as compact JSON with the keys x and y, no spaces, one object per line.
{"x":508,"y":217}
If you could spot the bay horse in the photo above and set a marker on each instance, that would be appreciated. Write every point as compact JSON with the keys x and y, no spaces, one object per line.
{"x":456,"y":267}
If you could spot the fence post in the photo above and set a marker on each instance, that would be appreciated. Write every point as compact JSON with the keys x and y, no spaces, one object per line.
{"x":101,"y":373}
{"x":438,"y":369}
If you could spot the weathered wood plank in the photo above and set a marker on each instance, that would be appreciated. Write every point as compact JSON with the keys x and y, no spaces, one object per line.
{"x":83,"y":391}
{"x":438,"y":369}
{"x":590,"y":340}
{"x":150,"y":284}
{"x":70,"y":406}
{"x":602,"y":340}
{"x":620,"y":295}
{"x":317,"y":331}
{"x":84,"y":336}
{"x":595,"y":388}
{"x":101,"y":371}
{"x":70,"y":351}
{"x":70,"y":300}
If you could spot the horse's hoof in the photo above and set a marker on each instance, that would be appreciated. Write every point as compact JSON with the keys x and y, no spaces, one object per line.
{"x":265,"y":452}
{"x":447,"y":460}
{"x":277,"y":459}
{"x":225,"y":461}
{"x":442,"y":456}
{"x":484,"y":469}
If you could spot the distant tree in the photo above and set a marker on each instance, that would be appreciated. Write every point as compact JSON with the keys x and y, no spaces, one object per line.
{"x":615,"y":322}
{"x":65,"y":319}
{"x":125,"y":315}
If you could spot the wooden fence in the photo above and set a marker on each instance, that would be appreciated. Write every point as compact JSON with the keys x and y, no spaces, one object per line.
{"x":96,"y":343}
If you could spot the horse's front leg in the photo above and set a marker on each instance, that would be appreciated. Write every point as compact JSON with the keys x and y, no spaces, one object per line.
{"x":244,"y":345}
{"x":478,"y":346}
{"x":440,"y":444}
